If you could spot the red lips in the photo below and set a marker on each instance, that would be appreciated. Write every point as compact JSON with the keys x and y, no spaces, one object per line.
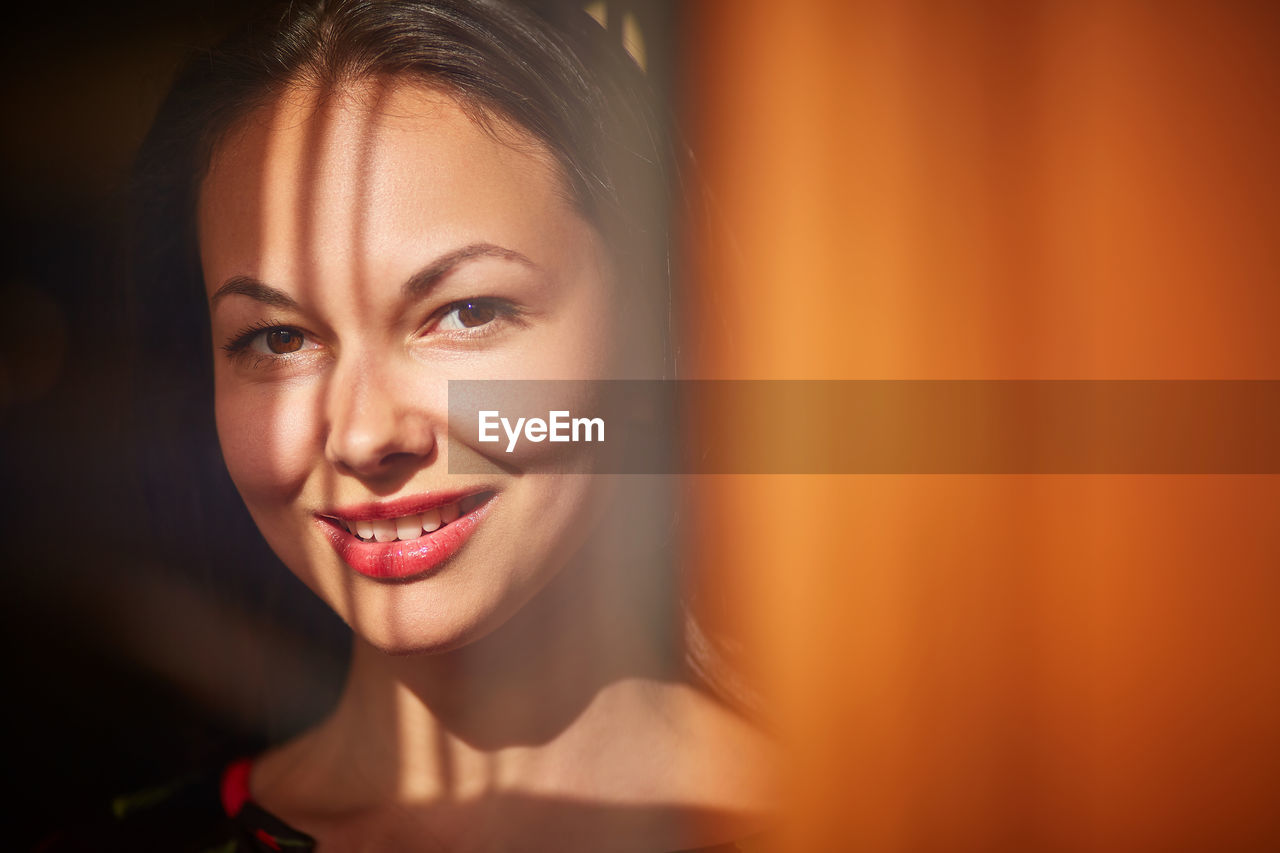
{"x":399,"y":560}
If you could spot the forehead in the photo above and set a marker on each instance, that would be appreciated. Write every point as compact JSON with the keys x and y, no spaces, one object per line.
{"x":371,"y":176}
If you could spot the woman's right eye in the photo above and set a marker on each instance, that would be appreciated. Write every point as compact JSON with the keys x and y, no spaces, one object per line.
{"x":268,"y":341}
{"x":282,"y":341}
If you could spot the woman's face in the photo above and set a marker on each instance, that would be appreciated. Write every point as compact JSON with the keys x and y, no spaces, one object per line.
{"x":359,"y":251}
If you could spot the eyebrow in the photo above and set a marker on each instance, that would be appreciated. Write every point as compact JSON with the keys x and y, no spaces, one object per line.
{"x":249,"y":286}
{"x":417,"y":285}
{"x":427,"y":277}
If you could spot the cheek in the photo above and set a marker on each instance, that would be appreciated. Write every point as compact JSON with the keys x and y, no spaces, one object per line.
{"x":552,"y":517}
{"x":575,"y":349}
{"x":597,"y":332}
{"x":585,"y":340}
{"x":267,"y":438}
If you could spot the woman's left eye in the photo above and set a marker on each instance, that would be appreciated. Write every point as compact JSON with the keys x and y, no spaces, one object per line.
{"x":472,"y":314}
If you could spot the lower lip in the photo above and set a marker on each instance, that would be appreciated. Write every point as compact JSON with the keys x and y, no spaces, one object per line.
{"x":401,"y":560}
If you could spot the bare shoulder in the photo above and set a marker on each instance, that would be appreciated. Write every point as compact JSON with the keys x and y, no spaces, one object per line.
{"x":289,"y":779}
{"x":682,"y":746}
{"x":722,"y":753}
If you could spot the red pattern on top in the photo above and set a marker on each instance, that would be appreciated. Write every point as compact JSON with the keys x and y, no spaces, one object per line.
{"x":235,"y":786}
{"x":267,"y":839}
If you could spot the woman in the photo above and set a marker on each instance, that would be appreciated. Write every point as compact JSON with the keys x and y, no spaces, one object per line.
{"x":378,"y":198}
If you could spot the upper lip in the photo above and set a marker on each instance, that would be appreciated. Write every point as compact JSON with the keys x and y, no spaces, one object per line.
{"x":400,"y":507}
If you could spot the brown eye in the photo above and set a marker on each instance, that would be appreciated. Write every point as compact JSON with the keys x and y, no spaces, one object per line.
{"x":282,"y":341}
{"x":468,"y":314}
{"x":472,"y":314}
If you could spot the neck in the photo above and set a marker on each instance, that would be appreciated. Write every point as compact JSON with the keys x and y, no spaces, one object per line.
{"x":514,"y":705}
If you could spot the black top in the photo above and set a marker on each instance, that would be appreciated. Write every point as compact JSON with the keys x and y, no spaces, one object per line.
{"x":206,"y":813}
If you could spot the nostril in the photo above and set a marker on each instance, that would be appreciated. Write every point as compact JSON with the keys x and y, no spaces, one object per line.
{"x":377,"y":419}
{"x":374,"y":458}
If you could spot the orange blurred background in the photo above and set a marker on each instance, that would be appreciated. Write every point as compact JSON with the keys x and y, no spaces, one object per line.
{"x":1048,"y":190}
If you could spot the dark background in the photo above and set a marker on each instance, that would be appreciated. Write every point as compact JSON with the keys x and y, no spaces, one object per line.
{"x":129,"y":663}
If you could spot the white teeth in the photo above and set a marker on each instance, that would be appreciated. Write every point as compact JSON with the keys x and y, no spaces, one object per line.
{"x":408,"y":527}
{"x":430,"y":520}
{"x":384,"y":529}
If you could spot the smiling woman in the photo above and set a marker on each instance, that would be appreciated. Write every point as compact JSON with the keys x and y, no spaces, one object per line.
{"x":458,"y":257}
{"x":379,"y":198}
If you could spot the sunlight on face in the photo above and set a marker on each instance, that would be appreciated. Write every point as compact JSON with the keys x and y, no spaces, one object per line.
{"x":359,"y":250}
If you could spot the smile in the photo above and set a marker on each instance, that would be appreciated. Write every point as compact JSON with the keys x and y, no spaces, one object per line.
{"x":406,"y":528}
{"x":407,"y":538}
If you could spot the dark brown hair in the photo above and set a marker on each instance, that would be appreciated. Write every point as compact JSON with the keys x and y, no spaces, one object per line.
{"x":554,"y":74}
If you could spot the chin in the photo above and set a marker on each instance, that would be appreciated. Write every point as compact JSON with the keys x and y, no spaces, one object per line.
{"x":398,"y":649}
{"x":399,"y":620}
{"x":402,"y":636}
{"x":406,"y":642}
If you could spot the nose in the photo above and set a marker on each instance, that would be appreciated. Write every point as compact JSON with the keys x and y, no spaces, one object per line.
{"x":381,"y":421}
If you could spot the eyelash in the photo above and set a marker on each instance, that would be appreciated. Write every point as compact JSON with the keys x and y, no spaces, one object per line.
{"x":237,"y":346}
{"x":503,"y":311}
